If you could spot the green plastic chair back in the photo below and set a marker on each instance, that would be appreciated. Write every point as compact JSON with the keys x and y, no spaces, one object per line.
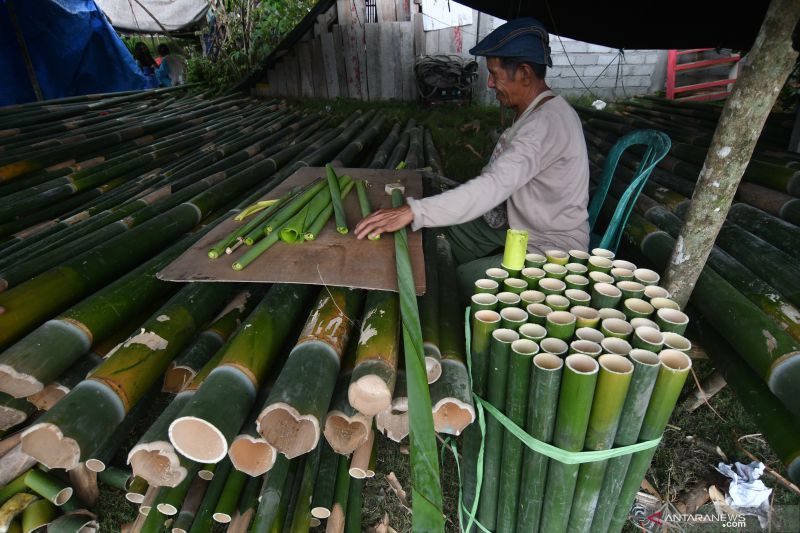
{"x":656,"y":144}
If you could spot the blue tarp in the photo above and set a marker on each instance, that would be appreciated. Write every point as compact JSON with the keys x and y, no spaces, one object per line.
{"x":73,"y":48}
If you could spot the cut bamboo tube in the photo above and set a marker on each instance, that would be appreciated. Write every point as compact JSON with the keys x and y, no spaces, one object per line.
{"x":393,"y":422}
{"x":428,"y":305}
{"x":612,"y":387}
{"x":540,"y":422}
{"x":574,"y":405}
{"x":375,"y":372}
{"x":226,"y":504}
{"x":136,"y":490}
{"x":496,"y":395}
{"x":271,"y":496}
{"x":249,"y":452}
{"x":84,"y":483}
{"x":345,"y":429}
{"x":359,"y":462}
{"x":519,"y":372}
{"x":290,"y":420}
{"x":37,"y":515}
{"x":48,"y":487}
{"x":171,"y":497}
{"x":322,"y":499}
{"x":203,"y":520}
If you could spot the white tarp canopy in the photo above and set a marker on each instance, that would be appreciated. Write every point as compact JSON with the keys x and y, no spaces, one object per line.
{"x":173,"y":15}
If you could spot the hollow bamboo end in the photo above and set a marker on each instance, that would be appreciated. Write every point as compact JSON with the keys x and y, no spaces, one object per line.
{"x":672,"y":315}
{"x":370,"y":395}
{"x":63,"y":496}
{"x":198,"y":440}
{"x":675,"y":360}
{"x":643,"y":357}
{"x":548,"y":361}
{"x":433,"y":369}
{"x":320,"y":512}
{"x":95,"y":465}
{"x":487,"y":316}
{"x":157,"y":463}
{"x":47,"y":444}
{"x":206,"y":475}
{"x":484,"y":298}
{"x":346,"y":433}
{"x":561,"y":317}
{"x":287,"y":430}
{"x":552,"y":345}
{"x":393,"y":422}
{"x":167,"y":509}
{"x":357,"y":473}
{"x":505,"y":335}
{"x":676,"y":342}
{"x":524,"y":347}
{"x":134,"y":497}
{"x":616,"y":346}
{"x":582,"y":364}
{"x":487,"y":284}
{"x":10,"y":417}
{"x":589,"y":334}
{"x":514,"y":314}
{"x":17,"y":384}
{"x":452,"y":416}
{"x":616,"y":364}
{"x":176,"y":379}
{"x":45,"y":399}
{"x":222,"y":518}
{"x":252,"y":455}
{"x":648,"y":334}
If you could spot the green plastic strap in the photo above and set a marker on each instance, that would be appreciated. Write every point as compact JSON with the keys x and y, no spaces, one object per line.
{"x":563,"y":456}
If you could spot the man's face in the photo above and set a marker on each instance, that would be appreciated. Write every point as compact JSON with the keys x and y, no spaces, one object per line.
{"x":508,"y":90}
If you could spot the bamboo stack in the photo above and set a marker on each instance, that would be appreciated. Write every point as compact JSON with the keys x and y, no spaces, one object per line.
{"x":596,"y":395}
{"x":98,"y":195}
{"x":751,"y":276}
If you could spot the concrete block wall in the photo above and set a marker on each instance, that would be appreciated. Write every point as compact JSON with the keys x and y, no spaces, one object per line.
{"x":581,"y":69}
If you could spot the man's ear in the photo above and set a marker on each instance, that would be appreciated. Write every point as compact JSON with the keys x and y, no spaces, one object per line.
{"x":525,"y":73}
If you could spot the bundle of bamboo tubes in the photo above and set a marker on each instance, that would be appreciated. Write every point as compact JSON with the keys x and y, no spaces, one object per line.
{"x":100,"y":194}
{"x":749,"y":288}
{"x":581,"y":351}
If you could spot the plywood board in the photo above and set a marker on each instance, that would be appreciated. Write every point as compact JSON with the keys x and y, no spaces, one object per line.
{"x":329,"y":64}
{"x":373,"y":52}
{"x":331,"y":259}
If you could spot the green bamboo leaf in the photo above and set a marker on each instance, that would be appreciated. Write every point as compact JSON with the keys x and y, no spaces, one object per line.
{"x":426,"y":490}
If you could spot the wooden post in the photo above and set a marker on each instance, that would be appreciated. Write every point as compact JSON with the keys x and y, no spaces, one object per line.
{"x":769,"y":63}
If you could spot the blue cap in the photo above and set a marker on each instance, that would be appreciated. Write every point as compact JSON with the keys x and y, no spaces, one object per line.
{"x":523,"y":38}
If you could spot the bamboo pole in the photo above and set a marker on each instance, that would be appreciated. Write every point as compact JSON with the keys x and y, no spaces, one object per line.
{"x":493,"y":441}
{"x":271,"y":496}
{"x":769,"y":64}
{"x":375,"y":372}
{"x":574,"y":405}
{"x":290,"y":419}
{"x":540,"y":422}
{"x":322,"y":499}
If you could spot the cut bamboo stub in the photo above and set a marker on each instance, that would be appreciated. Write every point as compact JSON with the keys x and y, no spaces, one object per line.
{"x":359,"y":462}
{"x":608,"y":312}
{"x":158,"y":463}
{"x":675,"y":341}
{"x":346,"y":433}
{"x":252,"y":455}
{"x":554,"y":346}
{"x":487,"y":285}
{"x":655,"y":291}
{"x":199,"y":440}
{"x":393,"y":422}
{"x":299,"y":433}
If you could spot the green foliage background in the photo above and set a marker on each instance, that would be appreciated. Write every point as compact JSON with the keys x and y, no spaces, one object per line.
{"x":247,"y":30}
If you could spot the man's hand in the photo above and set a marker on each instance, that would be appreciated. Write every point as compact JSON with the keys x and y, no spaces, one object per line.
{"x":385,"y":220}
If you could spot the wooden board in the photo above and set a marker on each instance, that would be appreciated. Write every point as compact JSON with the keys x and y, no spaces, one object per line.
{"x":318,"y":69}
{"x":373,"y":63}
{"x":406,"y":63}
{"x":304,"y":62}
{"x":329,"y":62}
{"x":388,"y":63}
{"x":341,"y":70}
{"x":330,"y":259}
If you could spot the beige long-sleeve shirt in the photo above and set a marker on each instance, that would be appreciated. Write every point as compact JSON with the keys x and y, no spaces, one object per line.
{"x":539,"y":168}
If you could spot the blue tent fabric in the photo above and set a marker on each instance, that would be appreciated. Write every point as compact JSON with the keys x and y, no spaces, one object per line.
{"x":73,"y":48}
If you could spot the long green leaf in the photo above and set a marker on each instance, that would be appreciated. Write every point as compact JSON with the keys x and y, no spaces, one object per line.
{"x":426,"y":490}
